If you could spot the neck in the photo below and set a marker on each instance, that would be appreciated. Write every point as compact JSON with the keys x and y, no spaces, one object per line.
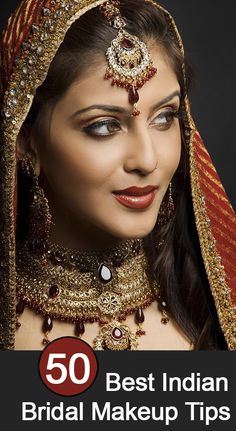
{"x":77,"y":233}
{"x":83,"y":238}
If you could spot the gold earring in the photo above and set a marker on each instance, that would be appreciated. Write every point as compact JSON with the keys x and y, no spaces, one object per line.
{"x":166,"y":210}
{"x":40,"y":219}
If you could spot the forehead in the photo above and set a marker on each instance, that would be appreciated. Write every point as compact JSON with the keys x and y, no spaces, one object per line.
{"x":92,"y":88}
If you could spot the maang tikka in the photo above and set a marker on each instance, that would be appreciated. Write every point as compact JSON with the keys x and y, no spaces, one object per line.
{"x":129,"y":62}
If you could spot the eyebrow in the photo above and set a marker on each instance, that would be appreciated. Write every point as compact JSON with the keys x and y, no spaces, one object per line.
{"x":119,"y":110}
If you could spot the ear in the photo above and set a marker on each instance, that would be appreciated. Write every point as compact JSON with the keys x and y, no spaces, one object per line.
{"x":27,"y":148}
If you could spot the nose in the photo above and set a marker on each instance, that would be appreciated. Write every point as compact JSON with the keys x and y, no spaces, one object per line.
{"x":140,"y":152}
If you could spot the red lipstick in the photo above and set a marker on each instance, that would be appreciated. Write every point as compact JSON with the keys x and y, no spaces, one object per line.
{"x":136,"y":197}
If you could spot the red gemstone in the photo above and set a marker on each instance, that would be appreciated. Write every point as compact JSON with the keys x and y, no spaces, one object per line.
{"x":140,"y":332}
{"x":79,"y":328}
{"x":53,"y":291}
{"x":133,"y":95}
{"x":20,"y":307}
{"x":117,"y":333}
{"x":135,"y":113}
{"x":139,"y":316}
{"x":126,"y":44}
{"x":47,"y":324}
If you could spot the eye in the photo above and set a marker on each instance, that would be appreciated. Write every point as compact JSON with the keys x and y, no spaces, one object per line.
{"x":102,"y":128}
{"x":165,"y":119}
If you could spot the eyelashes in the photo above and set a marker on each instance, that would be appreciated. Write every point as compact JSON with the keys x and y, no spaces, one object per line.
{"x":166,"y":118}
{"x":90,"y":129}
{"x":162,"y":121}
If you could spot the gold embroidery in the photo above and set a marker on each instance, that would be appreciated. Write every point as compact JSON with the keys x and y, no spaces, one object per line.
{"x":213,"y":191}
{"x":220,"y":220}
{"x":226,"y":237}
{"x":202,"y":148}
{"x":207,"y":173}
{"x":219,"y":208}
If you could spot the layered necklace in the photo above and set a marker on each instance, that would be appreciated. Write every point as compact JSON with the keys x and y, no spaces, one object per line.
{"x":82,"y":287}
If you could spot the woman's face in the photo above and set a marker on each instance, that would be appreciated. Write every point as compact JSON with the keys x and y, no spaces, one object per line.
{"x":94,"y":152}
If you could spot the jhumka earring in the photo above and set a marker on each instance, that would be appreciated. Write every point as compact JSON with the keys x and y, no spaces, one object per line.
{"x":166,"y":210}
{"x":40,"y":219}
{"x":129,"y":62}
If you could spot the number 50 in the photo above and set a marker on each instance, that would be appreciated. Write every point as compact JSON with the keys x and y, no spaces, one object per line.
{"x":64,"y":371}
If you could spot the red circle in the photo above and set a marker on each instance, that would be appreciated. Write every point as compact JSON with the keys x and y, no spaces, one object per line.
{"x":68,"y":366}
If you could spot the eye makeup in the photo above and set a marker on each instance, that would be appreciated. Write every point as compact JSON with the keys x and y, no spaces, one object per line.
{"x":112,"y":126}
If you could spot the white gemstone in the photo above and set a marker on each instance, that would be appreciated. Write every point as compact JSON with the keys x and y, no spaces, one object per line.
{"x":40,"y":50}
{"x":44,"y":36}
{"x":46,"y":11}
{"x":31,"y":61}
{"x":25,"y":45}
{"x":105,"y":273}
{"x":13,"y":92}
{"x":33,"y":46}
{"x":48,"y":23}
{"x":34,"y":28}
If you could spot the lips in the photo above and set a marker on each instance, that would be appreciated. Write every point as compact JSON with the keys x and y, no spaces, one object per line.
{"x":136,"y":191}
{"x":136,"y":197}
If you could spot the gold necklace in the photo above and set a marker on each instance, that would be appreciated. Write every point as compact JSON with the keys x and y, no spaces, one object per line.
{"x":88,"y":287}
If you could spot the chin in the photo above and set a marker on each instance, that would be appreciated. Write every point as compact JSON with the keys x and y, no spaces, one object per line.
{"x":134,"y":231}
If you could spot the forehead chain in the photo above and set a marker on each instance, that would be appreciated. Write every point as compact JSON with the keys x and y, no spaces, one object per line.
{"x":129,"y":61}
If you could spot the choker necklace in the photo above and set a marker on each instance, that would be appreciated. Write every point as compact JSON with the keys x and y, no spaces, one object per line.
{"x":81,"y":287}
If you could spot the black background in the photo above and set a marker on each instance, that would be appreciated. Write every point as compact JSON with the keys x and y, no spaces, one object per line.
{"x":208,"y":31}
{"x":20,"y":382}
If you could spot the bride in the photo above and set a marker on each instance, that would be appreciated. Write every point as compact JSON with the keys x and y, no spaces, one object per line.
{"x":115,"y":225}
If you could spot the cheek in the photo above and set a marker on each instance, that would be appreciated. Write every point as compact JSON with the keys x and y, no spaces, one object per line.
{"x":169,"y":151}
{"x":71,"y":162}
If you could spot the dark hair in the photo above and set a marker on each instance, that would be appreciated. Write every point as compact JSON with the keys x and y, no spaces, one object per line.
{"x":178,"y":264}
